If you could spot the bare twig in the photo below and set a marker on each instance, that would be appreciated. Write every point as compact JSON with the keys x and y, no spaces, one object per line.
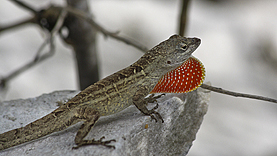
{"x":22,"y":4}
{"x":59,"y":22}
{"x":183,"y":18}
{"x":38,"y":58}
{"x":21,"y":23}
{"x":88,"y":18}
{"x":6,"y":79}
{"x":222,"y":91}
{"x":54,"y":31}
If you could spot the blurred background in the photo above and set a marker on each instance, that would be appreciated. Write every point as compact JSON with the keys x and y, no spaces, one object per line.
{"x":238,"y":49}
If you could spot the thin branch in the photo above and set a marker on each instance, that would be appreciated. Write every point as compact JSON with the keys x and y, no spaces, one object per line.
{"x":59,"y":22}
{"x":88,"y":18}
{"x":54,"y":31}
{"x":38,"y":58}
{"x":22,"y":4}
{"x":220,"y":90}
{"x":6,"y":79}
{"x":183,"y":18}
{"x":21,"y":23}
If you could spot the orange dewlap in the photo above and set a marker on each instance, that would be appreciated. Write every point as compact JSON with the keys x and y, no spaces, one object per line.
{"x":187,"y":77}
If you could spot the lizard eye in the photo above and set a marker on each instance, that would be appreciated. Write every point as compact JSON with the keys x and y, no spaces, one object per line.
{"x":168,"y":62}
{"x":184,"y":47}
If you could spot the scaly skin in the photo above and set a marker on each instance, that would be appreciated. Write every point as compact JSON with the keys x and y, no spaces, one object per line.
{"x":109,"y":95}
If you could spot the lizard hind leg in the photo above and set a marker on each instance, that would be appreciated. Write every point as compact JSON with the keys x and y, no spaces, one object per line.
{"x":90,"y":116}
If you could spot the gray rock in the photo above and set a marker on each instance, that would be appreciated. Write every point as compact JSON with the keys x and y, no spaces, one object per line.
{"x":135,"y":133}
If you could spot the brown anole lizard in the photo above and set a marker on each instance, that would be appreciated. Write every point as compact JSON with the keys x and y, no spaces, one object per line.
{"x":113,"y":94}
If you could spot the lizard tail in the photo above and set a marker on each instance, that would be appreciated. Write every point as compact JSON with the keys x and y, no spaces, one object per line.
{"x":37,"y":129}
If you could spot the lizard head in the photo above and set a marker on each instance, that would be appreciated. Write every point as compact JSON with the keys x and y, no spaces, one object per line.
{"x":178,"y":50}
{"x":173,"y":52}
{"x":170,"y":68}
{"x":184,"y":73}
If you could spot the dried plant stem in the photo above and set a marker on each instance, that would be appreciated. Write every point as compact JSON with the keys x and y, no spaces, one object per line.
{"x":38,"y":58}
{"x":18,"y":24}
{"x":183,"y":17}
{"x":89,"y":19}
{"x":23,"y":5}
{"x":223,"y":91}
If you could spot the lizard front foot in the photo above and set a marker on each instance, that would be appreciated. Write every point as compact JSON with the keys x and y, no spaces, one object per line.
{"x":152,"y":111}
{"x":153,"y":99}
{"x":95,"y":142}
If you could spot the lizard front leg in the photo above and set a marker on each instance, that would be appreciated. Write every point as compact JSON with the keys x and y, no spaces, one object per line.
{"x":140,"y":102}
{"x":90,"y":116}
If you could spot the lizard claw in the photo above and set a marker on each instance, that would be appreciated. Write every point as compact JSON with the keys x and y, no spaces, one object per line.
{"x":104,"y":143}
{"x":96,"y":142}
{"x":156,"y":113}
